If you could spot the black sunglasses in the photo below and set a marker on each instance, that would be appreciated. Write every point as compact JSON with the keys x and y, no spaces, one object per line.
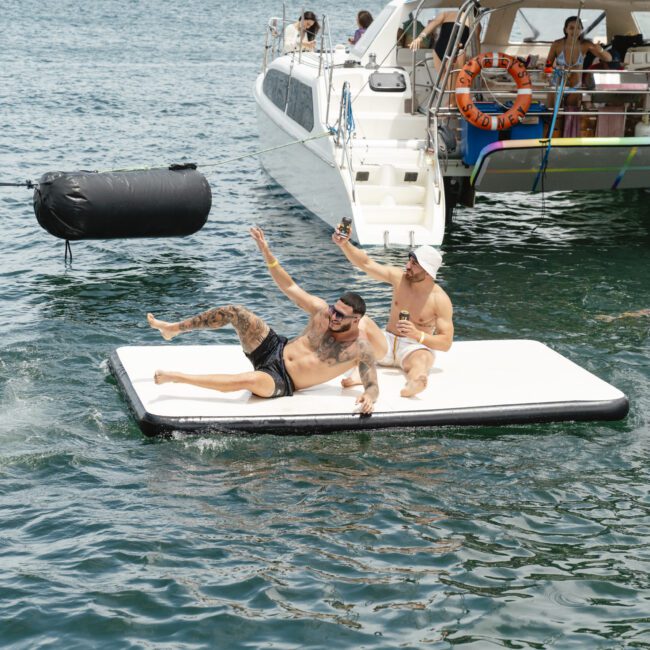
{"x":333,"y":311}
{"x":413,"y":258}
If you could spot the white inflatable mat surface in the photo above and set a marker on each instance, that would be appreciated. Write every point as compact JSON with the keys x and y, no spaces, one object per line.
{"x":476,"y":382}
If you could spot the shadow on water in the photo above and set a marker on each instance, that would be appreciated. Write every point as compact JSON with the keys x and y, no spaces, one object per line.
{"x":101,"y":293}
{"x":559,"y":220}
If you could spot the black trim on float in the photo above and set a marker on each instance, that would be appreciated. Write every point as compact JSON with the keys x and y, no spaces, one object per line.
{"x":155,"y":425}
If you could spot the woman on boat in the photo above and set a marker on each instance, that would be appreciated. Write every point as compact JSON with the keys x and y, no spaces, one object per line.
{"x":445,"y":21}
{"x":301,"y":35}
{"x":567,"y":56}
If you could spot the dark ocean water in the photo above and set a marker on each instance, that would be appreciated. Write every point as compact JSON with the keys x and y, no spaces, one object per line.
{"x":517,"y":537}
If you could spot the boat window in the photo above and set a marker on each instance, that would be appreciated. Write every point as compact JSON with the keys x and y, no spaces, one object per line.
{"x":301,"y":104}
{"x":546,"y":25}
{"x":642,"y":20}
{"x":377,"y":24}
{"x":275,"y":87}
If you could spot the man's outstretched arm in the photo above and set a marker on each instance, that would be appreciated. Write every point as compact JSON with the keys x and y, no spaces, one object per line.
{"x":306,"y":301}
{"x":360,"y":259}
{"x":368,"y":374}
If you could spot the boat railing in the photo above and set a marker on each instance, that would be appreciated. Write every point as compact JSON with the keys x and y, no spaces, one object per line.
{"x":274,"y":44}
{"x":611,"y":103}
{"x":467,"y":15}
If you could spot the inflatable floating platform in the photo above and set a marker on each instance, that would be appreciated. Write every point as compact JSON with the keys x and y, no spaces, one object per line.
{"x":475,"y":383}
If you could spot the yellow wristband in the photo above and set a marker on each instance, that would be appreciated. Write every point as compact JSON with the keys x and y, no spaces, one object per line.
{"x":421,"y":338}
{"x":273,"y":264}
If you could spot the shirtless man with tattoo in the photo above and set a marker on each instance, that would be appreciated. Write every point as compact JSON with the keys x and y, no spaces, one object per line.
{"x":409,"y":344}
{"x":287,"y":285}
{"x":330,"y":345}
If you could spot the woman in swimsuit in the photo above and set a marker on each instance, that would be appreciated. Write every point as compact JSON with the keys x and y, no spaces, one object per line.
{"x":568,"y":54}
{"x":445,"y":21}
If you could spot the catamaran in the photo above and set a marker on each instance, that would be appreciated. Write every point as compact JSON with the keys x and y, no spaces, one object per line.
{"x":395,"y":137}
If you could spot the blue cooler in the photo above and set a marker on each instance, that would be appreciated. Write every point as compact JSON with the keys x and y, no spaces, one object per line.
{"x":474,"y":140}
{"x":532,"y":128}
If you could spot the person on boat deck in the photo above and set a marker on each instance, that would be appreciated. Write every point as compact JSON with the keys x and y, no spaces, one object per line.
{"x":567,"y":56}
{"x":445,"y":21}
{"x":364,"y":20}
{"x":301,"y":34}
{"x":409,"y":344}
{"x":330,"y":345}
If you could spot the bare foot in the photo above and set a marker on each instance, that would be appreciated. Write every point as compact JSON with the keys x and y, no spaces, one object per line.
{"x":414,"y":386}
{"x":354,"y":379}
{"x":162,"y":377}
{"x":165,"y":329}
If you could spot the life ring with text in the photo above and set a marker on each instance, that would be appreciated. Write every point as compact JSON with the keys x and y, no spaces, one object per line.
{"x":513,"y":115}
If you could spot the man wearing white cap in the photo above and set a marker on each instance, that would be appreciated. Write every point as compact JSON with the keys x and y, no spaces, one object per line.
{"x":410,"y":344}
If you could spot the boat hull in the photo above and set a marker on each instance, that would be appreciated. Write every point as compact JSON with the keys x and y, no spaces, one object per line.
{"x":303,"y":169}
{"x":572,"y":164}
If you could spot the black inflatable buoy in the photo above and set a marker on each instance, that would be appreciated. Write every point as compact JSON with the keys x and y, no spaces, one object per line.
{"x":169,"y":202}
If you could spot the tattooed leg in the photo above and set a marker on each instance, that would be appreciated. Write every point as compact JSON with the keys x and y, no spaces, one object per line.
{"x":251,"y":329}
{"x":258,"y":383}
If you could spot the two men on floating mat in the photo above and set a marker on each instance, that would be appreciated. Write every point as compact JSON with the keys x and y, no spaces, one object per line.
{"x":338,"y":338}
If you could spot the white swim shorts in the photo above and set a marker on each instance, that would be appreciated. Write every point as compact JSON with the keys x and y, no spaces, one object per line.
{"x":399,"y":347}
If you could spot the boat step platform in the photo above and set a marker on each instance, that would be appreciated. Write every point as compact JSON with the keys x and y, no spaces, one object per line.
{"x":475,"y":383}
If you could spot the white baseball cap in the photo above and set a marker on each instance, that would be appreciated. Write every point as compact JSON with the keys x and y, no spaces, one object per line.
{"x":428,"y":258}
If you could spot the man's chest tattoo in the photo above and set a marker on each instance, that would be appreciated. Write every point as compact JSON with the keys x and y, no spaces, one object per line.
{"x":328,"y":349}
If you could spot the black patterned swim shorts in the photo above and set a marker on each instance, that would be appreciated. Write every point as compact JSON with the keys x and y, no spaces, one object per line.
{"x":267,"y":357}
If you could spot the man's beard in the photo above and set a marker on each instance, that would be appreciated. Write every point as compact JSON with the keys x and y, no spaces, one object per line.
{"x":342,"y":328}
{"x":414,"y":277}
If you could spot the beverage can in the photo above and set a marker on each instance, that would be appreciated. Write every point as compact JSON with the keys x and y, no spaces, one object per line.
{"x":345,"y":227}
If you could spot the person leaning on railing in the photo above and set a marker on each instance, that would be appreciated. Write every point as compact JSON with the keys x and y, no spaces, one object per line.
{"x":445,"y":21}
{"x":301,"y":35}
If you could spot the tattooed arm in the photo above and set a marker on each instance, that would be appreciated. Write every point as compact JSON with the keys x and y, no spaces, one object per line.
{"x":368,"y":374}
{"x":307,"y":302}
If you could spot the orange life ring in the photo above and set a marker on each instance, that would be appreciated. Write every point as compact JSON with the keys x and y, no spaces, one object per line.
{"x":512,"y":116}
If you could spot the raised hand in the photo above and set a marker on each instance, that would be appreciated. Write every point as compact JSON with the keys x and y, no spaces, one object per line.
{"x":258,"y":235}
{"x":339,"y":239}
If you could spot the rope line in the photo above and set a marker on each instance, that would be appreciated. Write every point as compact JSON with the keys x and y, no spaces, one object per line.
{"x":30,"y":185}
{"x":261,"y":151}
{"x":559,"y":96}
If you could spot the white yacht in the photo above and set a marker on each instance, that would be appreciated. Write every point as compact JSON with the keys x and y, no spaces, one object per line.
{"x":373,"y":131}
